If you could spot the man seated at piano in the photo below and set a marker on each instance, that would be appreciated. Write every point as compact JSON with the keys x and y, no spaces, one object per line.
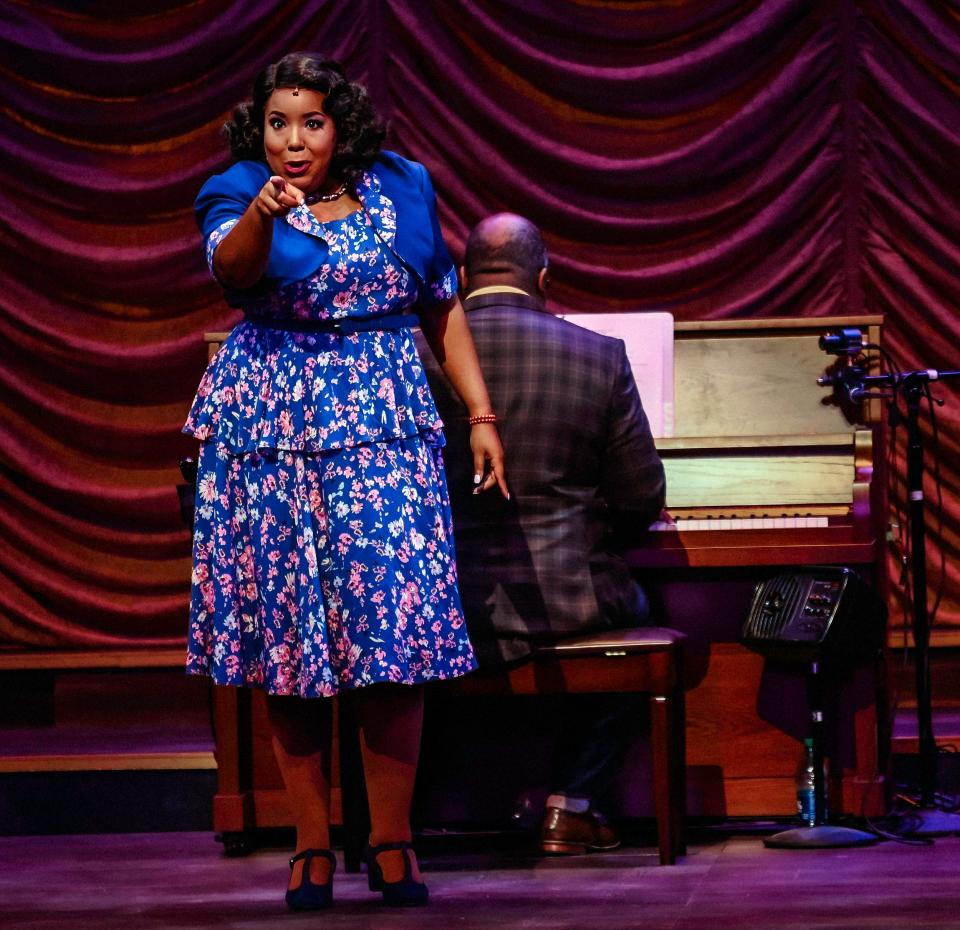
{"x":543,"y":565}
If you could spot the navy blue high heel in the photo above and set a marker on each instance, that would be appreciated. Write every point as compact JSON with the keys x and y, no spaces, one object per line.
{"x":405,"y":893}
{"x":309,"y":896}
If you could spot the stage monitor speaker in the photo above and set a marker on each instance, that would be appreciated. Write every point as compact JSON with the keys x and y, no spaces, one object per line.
{"x":813,"y":613}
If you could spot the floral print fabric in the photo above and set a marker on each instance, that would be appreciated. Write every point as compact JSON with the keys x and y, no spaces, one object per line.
{"x":323,"y":555}
{"x":317,"y":573}
{"x":278,"y":389}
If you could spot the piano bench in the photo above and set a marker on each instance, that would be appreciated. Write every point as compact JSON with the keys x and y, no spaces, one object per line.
{"x":644,"y":660}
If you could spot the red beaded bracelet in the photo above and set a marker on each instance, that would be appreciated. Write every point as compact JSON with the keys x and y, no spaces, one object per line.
{"x":482,"y":418}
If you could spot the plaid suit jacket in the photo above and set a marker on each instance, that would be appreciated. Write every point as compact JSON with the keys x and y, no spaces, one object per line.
{"x":579,"y":457}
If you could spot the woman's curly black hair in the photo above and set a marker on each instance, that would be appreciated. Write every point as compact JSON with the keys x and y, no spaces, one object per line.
{"x":360,"y":131}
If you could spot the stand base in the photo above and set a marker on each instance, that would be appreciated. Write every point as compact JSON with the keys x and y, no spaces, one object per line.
{"x":925,"y":821}
{"x":820,"y":837}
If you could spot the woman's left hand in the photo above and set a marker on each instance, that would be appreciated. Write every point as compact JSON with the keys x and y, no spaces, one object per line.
{"x":487,"y":459}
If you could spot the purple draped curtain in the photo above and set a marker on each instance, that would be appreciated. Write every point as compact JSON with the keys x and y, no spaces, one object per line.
{"x":716,"y":159}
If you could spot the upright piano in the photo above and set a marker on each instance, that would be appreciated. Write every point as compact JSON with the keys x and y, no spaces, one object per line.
{"x":764,"y":466}
{"x":766,"y":471}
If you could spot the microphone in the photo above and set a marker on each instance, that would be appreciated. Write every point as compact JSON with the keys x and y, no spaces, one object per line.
{"x":844,"y":342}
{"x":849,"y":378}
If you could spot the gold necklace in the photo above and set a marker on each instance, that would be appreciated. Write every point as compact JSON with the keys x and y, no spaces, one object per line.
{"x":326,"y":198}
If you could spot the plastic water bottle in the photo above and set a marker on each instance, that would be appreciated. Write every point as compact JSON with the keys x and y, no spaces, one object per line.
{"x":806,"y":802}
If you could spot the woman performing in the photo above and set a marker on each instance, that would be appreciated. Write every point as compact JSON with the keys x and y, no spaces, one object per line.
{"x":323,"y":556}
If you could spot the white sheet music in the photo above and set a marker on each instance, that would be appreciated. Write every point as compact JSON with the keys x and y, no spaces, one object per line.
{"x":649,"y":341}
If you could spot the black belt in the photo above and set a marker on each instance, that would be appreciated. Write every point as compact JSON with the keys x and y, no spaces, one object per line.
{"x":342,"y":327}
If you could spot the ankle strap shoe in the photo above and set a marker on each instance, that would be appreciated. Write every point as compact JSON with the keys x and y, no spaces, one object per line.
{"x":309,"y":896}
{"x":405,"y":893}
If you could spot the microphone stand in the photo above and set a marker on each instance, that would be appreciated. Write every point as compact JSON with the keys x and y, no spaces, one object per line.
{"x":821,"y":834}
{"x":927,"y":819}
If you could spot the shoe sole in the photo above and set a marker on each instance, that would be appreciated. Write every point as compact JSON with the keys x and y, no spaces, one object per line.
{"x":422,"y":903}
{"x":574,"y":849}
{"x":295,"y":904}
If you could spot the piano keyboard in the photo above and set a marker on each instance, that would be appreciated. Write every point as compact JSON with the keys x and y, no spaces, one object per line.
{"x":740,"y":523}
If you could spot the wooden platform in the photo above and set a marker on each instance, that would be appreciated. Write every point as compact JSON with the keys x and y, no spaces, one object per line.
{"x":103,"y":741}
{"x":946,"y":729}
{"x":106,"y":749}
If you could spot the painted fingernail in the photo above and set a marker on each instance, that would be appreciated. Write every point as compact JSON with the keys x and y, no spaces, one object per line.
{"x":477,"y":478}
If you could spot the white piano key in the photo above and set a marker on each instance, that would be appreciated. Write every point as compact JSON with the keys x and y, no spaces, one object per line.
{"x":722,"y":524}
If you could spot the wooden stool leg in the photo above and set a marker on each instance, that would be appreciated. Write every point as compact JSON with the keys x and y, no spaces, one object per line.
{"x":678,"y":776}
{"x":233,"y":809}
{"x":660,"y":752}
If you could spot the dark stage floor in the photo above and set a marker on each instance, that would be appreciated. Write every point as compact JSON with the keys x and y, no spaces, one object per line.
{"x":174,"y":881}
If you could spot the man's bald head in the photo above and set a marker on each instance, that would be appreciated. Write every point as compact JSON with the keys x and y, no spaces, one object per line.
{"x":505,"y":249}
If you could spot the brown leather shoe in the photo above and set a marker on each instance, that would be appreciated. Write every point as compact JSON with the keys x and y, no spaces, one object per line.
{"x":568,"y":834}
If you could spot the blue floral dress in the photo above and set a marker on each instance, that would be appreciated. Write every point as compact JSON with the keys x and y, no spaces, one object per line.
{"x":323,"y":549}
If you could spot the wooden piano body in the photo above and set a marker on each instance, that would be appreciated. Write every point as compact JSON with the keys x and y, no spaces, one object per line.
{"x":756,"y":441}
{"x":765,"y":471}
{"x":758,"y":447}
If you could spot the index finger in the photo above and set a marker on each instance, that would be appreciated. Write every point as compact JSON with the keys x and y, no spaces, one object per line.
{"x":496,"y":471}
{"x":286,"y":195}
